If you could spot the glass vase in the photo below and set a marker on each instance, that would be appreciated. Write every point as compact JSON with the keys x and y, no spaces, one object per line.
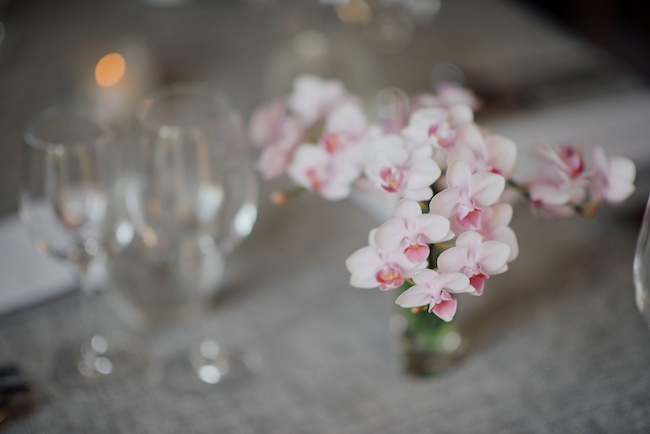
{"x":428,"y":344}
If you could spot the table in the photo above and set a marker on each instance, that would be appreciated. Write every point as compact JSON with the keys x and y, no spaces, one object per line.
{"x":556,"y":343}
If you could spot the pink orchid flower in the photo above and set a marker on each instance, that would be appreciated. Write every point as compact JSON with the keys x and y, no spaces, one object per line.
{"x":410,"y":231}
{"x":313,"y":98}
{"x":495,"y":227}
{"x":553,"y":198}
{"x":275,"y":157}
{"x":484,"y":152}
{"x":613,"y":180}
{"x":475,"y":258}
{"x":396,"y":166}
{"x":438,"y":127}
{"x":563,"y":163}
{"x":278,"y":133}
{"x":466,"y":197}
{"x":434,"y":289}
{"x":562,"y":181}
{"x":345,"y":132}
{"x":318,"y":171}
{"x":371,"y":267}
{"x":266,"y":123}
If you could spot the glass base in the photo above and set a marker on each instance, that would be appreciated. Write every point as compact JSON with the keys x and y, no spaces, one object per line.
{"x":207,"y":369}
{"x":96,"y":370}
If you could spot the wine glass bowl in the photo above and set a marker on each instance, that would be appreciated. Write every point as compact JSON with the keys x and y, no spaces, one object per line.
{"x":70,"y":202}
{"x":194,"y":178}
{"x":641,"y":264}
{"x":193,"y":196}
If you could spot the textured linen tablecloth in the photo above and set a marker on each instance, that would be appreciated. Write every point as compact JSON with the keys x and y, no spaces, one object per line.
{"x":556,"y":343}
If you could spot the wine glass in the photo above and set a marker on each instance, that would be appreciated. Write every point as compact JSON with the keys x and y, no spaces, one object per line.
{"x":194,"y":194}
{"x":641,"y":263}
{"x":69,"y":200}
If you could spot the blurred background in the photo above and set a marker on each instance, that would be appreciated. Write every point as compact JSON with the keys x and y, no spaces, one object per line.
{"x":517,"y":55}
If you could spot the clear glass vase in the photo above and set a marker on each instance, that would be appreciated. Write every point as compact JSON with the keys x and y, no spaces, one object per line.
{"x":428,"y":344}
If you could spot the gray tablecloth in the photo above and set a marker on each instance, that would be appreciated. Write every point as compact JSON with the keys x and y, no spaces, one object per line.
{"x":556,"y":344}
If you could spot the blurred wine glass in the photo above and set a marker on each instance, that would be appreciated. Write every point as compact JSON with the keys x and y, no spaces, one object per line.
{"x":194,"y":194}
{"x":70,"y":202}
{"x":641,"y":264}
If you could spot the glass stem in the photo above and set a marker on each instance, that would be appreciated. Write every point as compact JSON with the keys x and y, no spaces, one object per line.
{"x":209,"y":360}
{"x":94,"y":361}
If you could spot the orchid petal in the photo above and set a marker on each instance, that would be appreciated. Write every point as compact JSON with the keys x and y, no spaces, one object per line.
{"x":445,"y":202}
{"x":407,"y":208}
{"x":433,"y":226}
{"x":391,"y":235}
{"x":415,"y":296}
{"x":493,"y":255}
{"x":419,"y":194}
{"x":454,"y":259}
{"x":458,"y":173}
{"x":621,"y":180}
{"x":348,"y":118}
{"x":501,"y":214}
{"x":470,"y":239}
{"x":454,"y":282}
{"x":446,"y":309}
{"x":423,"y":174}
{"x":363,"y":265}
{"x":425,"y":277}
{"x":486,"y":188}
{"x":503,"y":154}
{"x":506,"y":235}
{"x":417,"y":252}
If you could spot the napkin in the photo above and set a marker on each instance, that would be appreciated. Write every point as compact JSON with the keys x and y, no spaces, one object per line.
{"x":26,"y":276}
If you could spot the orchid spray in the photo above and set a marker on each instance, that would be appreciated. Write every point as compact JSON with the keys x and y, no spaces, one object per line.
{"x":450,"y":231}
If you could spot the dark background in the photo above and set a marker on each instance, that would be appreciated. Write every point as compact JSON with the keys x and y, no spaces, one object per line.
{"x":621,"y":27}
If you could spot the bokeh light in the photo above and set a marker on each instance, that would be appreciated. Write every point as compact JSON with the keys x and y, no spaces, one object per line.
{"x":110,"y":70}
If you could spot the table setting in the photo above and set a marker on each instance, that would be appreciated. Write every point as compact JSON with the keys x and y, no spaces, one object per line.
{"x":256,"y":216}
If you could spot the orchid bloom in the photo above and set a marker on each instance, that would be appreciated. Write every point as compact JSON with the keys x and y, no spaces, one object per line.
{"x":553,"y":198}
{"x":313,"y":98}
{"x":316,"y":170}
{"x":266,"y":123}
{"x":345,"y":132}
{"x":397,"y":167}
{"x":612,"y":181}
{"x":438,"y":127}
{"x":278,"y":133}
{"x":410,"y":231}
{"x":371,"y":267}
{"x":475,"y":258}
{"x":495,"y":227}
{"x":562,"y":181}
{"x":565,"y":162}
{"x":434,"y":289}
{"x":466,"y":197}
{"x":275,"y":157}
{"x":484,"y":152}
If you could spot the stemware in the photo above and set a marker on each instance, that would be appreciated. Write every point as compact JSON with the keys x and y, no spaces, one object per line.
{"x":69,"y":200}
{"x":194,"y":194}
{"x":641,"y":264}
